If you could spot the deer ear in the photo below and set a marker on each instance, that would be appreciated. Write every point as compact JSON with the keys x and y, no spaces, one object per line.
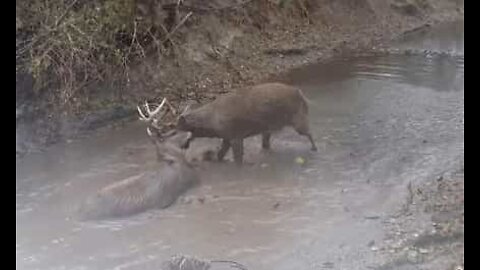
{"x":168,"y":159}
{"x":181,"y":139}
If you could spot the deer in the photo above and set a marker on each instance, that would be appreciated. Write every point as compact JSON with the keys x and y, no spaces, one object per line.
{"x":260,"y":109}
{"x":159,"y":189}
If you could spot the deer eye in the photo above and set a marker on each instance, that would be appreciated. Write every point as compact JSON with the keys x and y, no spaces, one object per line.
{"x":169,"y":159}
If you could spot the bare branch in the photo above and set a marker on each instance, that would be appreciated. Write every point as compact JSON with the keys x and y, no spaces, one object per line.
{"x":178,"y":26}
{"x":49,"y":30}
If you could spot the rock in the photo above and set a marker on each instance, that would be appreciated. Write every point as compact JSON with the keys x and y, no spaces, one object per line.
{"x":412,"y":255}
{"x":328,"y":265}
{"x":424,"y":251}
{"x":185,"y":263}
{"x":276,"y":205}
{"x":181,"y":262}
{"x":406,"y":7}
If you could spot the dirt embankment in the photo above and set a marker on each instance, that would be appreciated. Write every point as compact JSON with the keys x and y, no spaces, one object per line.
{"x":227,"y":46}
{"x":429,"y":231}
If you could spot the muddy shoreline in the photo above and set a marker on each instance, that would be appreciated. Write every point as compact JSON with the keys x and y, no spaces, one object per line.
{"x":428,"y":230}
{"x":244,"y":56}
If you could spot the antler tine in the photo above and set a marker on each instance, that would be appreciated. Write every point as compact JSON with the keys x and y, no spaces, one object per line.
{"x":158,"y":108}
{"x":142,"y":116}
{"x":150,"y":114}
{"x":149,"y":132}
{"x":147,"y":108}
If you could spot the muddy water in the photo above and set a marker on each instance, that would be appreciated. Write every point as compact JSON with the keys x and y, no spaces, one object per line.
{"x":380,"y":120}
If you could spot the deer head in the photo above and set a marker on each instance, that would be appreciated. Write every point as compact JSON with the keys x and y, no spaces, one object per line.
{"x":158,"y":127}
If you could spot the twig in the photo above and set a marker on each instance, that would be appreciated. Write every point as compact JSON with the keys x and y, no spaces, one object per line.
{"x":165,"y":32}
{"x":158,"y":45}
{"x":208,"y":9}
{"x":49,"y":29}
{"x":304,"y":10}
{"x":410,"y":197}
{"x":74,"y":91}
{"x":177,"y":26}
{"x":64,"y":15}
{"x":230,"y":65}
{"x":134,"y":37}
{"x":234,"y":6}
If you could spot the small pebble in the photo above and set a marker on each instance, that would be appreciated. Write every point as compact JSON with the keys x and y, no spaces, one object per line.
{"x":423,"y":251}
{"x":276,"y":205}
{"x":300,"y":160}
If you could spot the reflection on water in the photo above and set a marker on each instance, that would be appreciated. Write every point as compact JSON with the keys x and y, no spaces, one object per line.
{"x":440,"y":72}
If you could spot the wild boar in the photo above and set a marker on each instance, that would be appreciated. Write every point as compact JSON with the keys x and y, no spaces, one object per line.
{"x":261,"y":109}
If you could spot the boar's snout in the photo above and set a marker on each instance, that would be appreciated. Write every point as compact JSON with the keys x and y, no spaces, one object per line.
{"x":182,"y":124}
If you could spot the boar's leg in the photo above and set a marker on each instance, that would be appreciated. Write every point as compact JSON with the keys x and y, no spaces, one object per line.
{"x":223,"y":150}
{"x":266,"y":140}
{"x":309,"y":136}
{"x":237,"y":147}
{"x":301,"y":126}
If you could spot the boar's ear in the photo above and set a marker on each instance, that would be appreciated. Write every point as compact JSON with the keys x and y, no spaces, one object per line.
{"x":187,"y":108}
{"x":182,"y":121}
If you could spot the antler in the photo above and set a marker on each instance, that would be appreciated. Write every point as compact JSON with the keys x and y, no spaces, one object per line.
{"x":150,"y":114}
{"x":153,"y":117}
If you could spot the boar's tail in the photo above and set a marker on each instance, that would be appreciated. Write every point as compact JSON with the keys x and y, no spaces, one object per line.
{"x":306,"y":100}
